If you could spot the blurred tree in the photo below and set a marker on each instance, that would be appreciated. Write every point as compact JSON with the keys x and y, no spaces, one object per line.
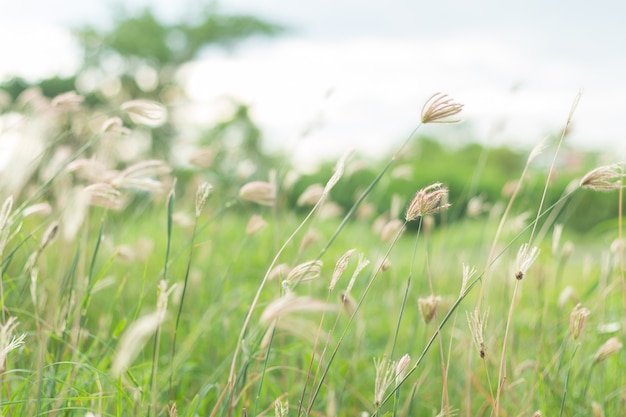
{"x":140,"y":55}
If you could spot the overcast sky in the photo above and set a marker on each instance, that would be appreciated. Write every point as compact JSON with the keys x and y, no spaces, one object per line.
{"x":364,"y":68}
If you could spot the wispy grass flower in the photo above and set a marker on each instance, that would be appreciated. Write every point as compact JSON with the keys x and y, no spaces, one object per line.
{"x":428,"y":307}
{"x":202,"y":193}
{"x":255,"y":224}
{"x":609,"y":348}
{"x":259,"y":192}
{"x":438,"y":108}
{"x":428,"y":200}
{"x":477,"y":325}
{"x":291,"y":303}
{"x":145,"y":112}
{"x":385,"y":373}
{"x":306,"y":271}
{"x":605,"y":178}
{"x":402,"y":368}
{"x":526,"y":256}
{"x":281,"y":409}
{"x":311,"y":195}
{"x":577,"y":320}
{"x":340,"y":267}
{"x":8,"y":341}
{"x":69,"y":101}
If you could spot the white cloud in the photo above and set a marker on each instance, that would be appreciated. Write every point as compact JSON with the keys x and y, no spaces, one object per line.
{"x":379,"y":87}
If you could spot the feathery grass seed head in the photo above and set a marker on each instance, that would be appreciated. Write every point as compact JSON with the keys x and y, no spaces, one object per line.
{"x":577,"y":320}
{"x":610,"y":347}
{"x":438,"y":108}
{"x":428,"y":307}
{"x":477,"y":325}
{"x":145,"y":112}
{"x":525,"y":258}
{"x":428,"y":200}
{"x":605,"y":178}
{"x":385,"y":372}
{"x":402,"y":368}
{"x":340,"y":267}
{"x":202,"y":193}
{"x":259,"y":192}
{"x":255,"y":224}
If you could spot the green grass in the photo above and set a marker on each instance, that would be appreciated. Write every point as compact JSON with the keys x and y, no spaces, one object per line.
{"x":83,"y":300}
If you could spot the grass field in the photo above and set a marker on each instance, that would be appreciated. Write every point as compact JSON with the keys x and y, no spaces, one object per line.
{"x":225,"y":307}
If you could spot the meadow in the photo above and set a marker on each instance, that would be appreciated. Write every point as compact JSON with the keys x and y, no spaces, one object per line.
{"x":127,"y":292}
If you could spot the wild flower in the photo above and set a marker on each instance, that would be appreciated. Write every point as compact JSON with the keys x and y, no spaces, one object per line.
{"x":255,"y":224}
{"x":610,"y":347}
{"x":428,"y":200}
{"x":439,"y":107}
{"x":525,"y":258}
{"x":577,"y":320}
{"x":385,"y":373}
{"x":259,"y":192}
{"x":145,"y":112}
{"x":428,"y":307}
{"x":605,"y":178}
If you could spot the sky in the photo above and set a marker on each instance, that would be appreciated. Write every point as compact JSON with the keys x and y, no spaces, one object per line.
{"x":359,"y":71}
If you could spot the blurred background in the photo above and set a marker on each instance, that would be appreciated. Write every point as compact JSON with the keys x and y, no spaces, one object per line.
{"x":348,"y":74}
{"x":251,"y":85}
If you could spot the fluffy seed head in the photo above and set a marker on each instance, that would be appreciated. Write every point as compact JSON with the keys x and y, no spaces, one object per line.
{"x":428,"y":307}
{"x":202,"y":193}
{"x":428,"y":200}
{"x":311,"y":195}
{"x":402,"y":368}
{"x":477,"y":325}
{"x":610,"y":347}
{"x":525,"y":258}
{"x":439,"y":107}
{"x":259,"y":192}
{"x":255,"y":224}
{"x":69,"y":101}
{"x":306,"y":271}
{"x":145,"y":112}
{"x":577,"y":320}
{"x":605,"y":178}
{"x":340,"y":267}
{"x":385,"y":372}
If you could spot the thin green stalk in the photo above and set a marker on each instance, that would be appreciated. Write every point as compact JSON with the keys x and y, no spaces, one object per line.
{"x":567,"y":382}
{"x":157,"y":336}
{"x":351,"y":319}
